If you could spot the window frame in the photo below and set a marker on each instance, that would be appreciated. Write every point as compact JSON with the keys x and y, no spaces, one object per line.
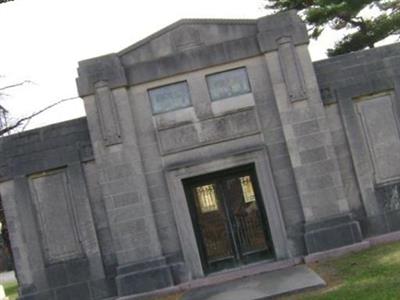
{"x":226,"y":71}
{"x":167,"y":85}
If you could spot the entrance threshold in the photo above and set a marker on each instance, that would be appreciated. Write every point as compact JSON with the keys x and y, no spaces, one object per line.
{"x":261,"y":286}
{"x":222,"y":277}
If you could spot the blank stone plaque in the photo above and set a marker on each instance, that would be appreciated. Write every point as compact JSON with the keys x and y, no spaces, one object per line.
{"x":56,"y":218}
{"x":380,"y":126}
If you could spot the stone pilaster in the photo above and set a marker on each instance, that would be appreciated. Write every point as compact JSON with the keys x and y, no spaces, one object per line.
{"x":123,"y":183}
{"x":309,"y":141}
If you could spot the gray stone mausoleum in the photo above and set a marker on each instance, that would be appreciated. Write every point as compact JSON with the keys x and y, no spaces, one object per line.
{"x":209,"y":145}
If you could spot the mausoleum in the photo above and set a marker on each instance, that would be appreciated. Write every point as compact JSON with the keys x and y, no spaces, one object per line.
{"x":208,"y":147}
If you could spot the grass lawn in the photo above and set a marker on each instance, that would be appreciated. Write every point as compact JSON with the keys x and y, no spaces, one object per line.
{"x":373,"y":274}
{"x":11,"y":290}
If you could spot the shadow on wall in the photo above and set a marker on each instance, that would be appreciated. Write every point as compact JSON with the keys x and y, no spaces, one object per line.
{"x":6,"y":260}
{"x":388,"y":220}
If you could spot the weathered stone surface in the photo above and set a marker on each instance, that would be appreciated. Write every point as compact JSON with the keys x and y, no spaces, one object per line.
{"x":101,"y":69}
{"x":332,"y":233}
{"x":55,"y":217}
{"x":380,"y":128}
{"x":106,"y":214}
{"x":262,"y":286}
{"x":143,"y":277}
{"x":214,"y":130}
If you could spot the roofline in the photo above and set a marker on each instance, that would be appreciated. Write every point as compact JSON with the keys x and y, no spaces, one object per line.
{"x":45,"y":127}
{"x":348,"y":54}
{"x":182,"y":22}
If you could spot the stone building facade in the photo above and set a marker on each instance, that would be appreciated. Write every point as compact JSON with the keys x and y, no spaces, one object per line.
{"x":209,"y":145}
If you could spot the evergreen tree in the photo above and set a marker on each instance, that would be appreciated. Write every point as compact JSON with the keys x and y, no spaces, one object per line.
{"x":368,"y":22}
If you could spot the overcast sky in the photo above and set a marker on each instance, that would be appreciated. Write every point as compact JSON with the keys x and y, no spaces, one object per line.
{"x":43,"y":40}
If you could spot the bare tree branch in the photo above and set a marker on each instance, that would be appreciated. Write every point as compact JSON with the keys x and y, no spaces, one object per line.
{"x":21,"y":121}
{"x":15,"y":84}
{"x":2,"y":109}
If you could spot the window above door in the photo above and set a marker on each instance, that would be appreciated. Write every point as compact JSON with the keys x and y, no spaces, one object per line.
{"x":228,"y":84}
{"x":170,"y":97}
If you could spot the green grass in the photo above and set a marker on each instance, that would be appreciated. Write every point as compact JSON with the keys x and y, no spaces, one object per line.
{"x":11,"y":289}
{"x":373,"y":274}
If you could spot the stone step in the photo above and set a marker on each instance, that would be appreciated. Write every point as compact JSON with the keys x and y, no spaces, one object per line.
{"x":262,"y":286}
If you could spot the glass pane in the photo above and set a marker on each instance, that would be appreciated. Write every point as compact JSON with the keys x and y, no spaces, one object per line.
{"x":247,"y":189}
{"x":170,"y":97}
{"x":228,"y":84}
{"x":246,"y":215}
{"x":213,"y":224}
{"x":207,"y":198}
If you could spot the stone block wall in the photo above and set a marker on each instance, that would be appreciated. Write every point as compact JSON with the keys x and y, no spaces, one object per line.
{"x":360,"y":90}
{"x":97,"y":208}
{"x":51,"y":214}
{"x":129,"y":139}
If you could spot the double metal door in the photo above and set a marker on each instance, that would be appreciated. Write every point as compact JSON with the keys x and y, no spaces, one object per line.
{"x":229,"y":218}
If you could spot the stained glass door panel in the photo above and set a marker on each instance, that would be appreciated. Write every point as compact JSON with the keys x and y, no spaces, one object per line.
{"x":250,"y":229}
{"x":213,"y":224}
{"x":228,"y":218}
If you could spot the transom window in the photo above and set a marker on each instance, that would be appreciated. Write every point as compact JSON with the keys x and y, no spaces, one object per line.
{"x":207,"y":198}
{"x":170,"y":97}
{"x":247,"y":189}
{"x":228,"y":84}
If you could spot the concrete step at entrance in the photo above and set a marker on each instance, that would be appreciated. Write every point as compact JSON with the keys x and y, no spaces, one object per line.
{"x":261,"y":286}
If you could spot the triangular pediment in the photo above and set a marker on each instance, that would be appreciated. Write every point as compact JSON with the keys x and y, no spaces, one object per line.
{"x":187,"y":34}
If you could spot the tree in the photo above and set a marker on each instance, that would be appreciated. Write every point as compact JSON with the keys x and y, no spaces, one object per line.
{"x":3,"y":117}
{"x":10,"y":125}
{"x":6,"y":125}
{"x":367,"y":21}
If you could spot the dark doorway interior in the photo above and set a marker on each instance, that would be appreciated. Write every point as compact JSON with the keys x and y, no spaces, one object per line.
{"x":6,"y":260}
{"x":229,"y":218}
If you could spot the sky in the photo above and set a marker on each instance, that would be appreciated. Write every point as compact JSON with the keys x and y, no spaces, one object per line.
{"x":42,"y":42}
